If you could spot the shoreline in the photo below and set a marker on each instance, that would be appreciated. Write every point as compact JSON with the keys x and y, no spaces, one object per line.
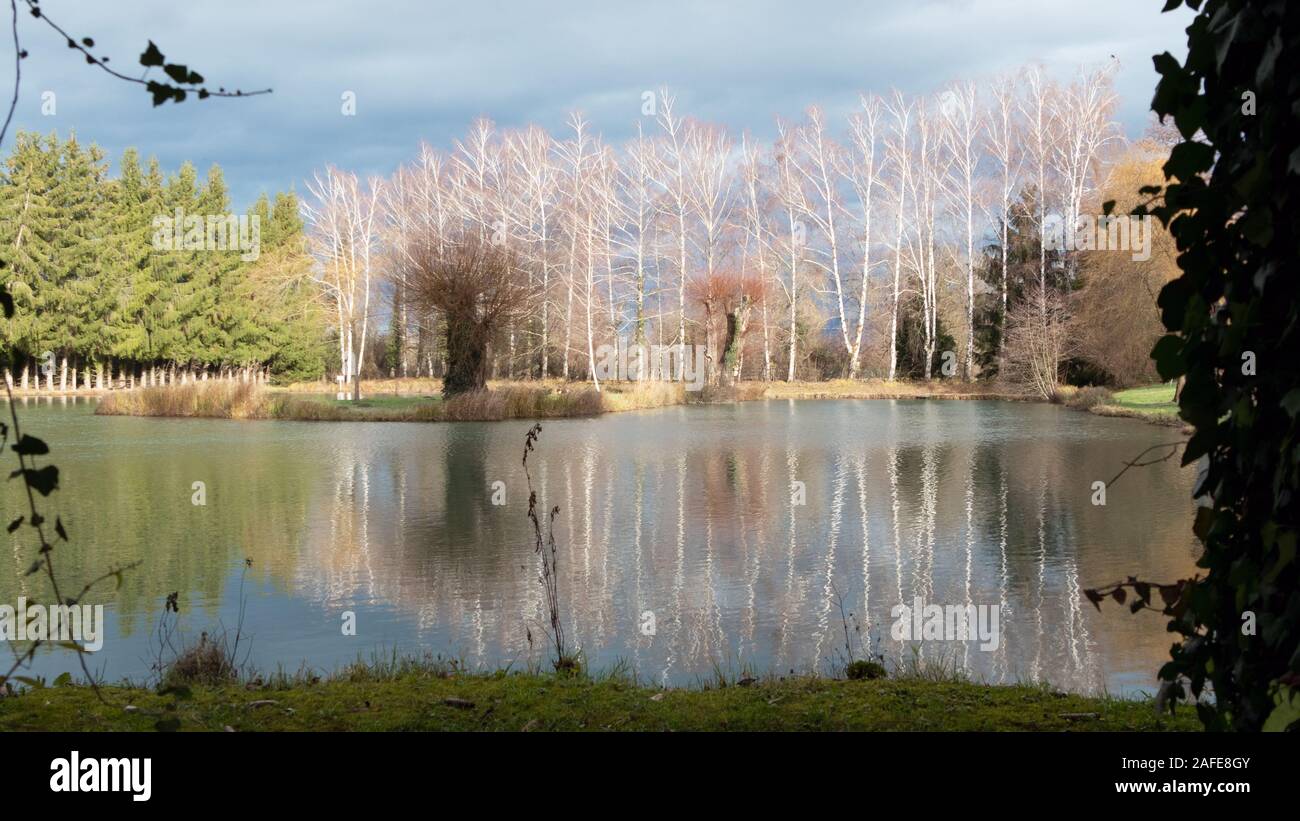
{"x":419,"y":400}
{"x":426,"y":698}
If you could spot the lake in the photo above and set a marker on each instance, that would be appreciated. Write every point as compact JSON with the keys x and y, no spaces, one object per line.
{"x":692,"y":540}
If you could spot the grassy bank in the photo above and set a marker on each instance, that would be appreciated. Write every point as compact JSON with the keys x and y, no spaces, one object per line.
{"x":420,"y":400}
{"x":1153,"y":403}
{"x":546,"y":400}
{"x":884,"y":389}
{"x":421,"y":700}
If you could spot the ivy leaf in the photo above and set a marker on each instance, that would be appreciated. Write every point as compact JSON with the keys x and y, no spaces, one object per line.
{"x":31,"y":446}
{"x":1170,"y":593}
{"x":1168,"y":354}
{"x":151,"y":56}
{"x":1204,"y":519}
{"x":160,"y":92}
{"x":177,"y":72}
{"x":44,"y":480}
{"x":1188,"y":159}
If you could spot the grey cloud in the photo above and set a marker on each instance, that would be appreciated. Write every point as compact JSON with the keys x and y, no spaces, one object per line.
{"x":424,"y":70}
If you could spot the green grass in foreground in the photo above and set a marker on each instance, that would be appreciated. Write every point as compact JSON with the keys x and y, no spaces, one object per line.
{"x":1155,"y":403}
{"x":517,"y":701}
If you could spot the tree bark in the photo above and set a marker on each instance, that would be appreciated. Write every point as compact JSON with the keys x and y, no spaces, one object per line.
{"x":737,"y":321}
{"x":466,"y":357}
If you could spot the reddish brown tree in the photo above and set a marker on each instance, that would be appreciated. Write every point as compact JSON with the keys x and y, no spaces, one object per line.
{"x":727,"y":299}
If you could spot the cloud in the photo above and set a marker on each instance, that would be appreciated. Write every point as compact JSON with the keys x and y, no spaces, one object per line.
{"x":424,"y":70}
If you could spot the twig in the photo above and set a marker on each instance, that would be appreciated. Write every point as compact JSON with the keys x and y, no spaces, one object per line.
{"x":1139,"y":464}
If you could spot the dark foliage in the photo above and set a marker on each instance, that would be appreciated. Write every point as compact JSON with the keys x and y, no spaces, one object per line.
{"x":1232,"y":202}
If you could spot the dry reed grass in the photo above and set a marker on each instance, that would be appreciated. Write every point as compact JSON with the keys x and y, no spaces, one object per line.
{"x":215,"y":399}
{"x":419,"y":400}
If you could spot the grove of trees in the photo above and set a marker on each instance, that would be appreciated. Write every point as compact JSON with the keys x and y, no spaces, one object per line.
{"x":904,"y":240}
{"x":869,"y":246}
{"x":101,"y":304}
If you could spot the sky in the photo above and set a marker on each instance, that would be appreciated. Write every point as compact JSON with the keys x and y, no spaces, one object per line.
{"x":422,"y":71}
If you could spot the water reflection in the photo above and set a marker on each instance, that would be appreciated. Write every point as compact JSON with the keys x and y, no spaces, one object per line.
{"x":686,"y":513}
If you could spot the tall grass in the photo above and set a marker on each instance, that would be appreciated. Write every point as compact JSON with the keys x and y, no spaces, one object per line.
{"x":237,"y":400}
{"x":216,"y":399}
{"x":625,"y":396}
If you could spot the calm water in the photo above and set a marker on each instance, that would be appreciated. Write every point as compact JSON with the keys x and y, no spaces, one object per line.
{"x":683,"y":512}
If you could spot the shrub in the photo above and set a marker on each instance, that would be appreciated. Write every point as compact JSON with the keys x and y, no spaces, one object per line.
{"x":207,"y":662}
{"x":862,"y":669}
{"x":1090,"y":396}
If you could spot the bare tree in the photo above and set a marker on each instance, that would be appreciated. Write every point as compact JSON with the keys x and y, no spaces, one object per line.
{"x":708,"y":192}
{"x":790,"y":195}
{"x":608,"y":216}
{"x":1082,"y":114}
{"x":1039,"y":339}
{"x":576,"y":156}
{"x":637,"y":201}
{"x":1003,"y":137}
{"x":476,"y":285}
{"x":728,"y":299}
{"x":603,"y":236}
{"x":862,"y":172}
{"x":756,"y":234}
{"x":930,"y":174}
{"x":671,"y":177}
{"x":1037,"y":110}
{"x":536,"y":165}
{"x":960,"y":112}
{"x":818,"y":161}
{"x":342,"y":216}
{"x":401,"y":213}
{"x":898,"y":160}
